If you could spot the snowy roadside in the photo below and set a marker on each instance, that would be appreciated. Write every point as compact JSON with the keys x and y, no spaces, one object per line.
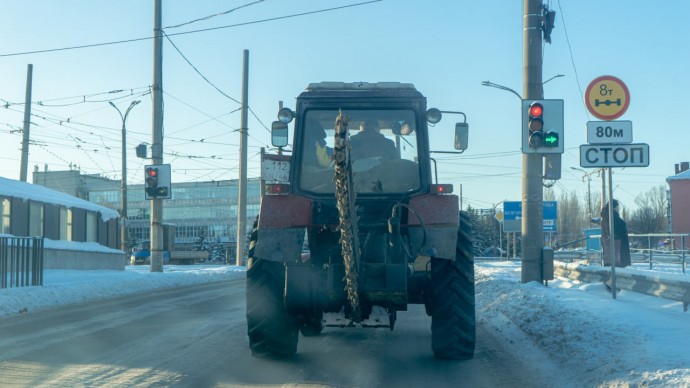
{"x":63,"y":287}
{"x":596,"y":341}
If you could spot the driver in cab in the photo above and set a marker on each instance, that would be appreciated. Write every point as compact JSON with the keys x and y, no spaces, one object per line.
{"x":370,"y":143}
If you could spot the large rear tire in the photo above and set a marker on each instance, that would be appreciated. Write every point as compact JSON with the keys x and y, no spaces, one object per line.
{"x":271,"y":331}
{"x":452,"y":301}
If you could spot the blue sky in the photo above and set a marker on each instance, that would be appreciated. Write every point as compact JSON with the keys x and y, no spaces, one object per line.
{"x":445,"y":48}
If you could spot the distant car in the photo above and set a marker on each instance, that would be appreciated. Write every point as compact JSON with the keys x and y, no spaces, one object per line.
{"x":142,"y":253}
{"x":493,"y":252}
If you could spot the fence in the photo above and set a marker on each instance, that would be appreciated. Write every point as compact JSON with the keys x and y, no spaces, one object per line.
{"x":21,"y":261}
{"x":639,"y":253}
{"x":644,"y":283}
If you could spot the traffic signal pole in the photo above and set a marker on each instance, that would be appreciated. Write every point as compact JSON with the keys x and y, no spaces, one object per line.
{"x":242,"y":181}
{"x":157,"y":137}
{"x":532,"y":164}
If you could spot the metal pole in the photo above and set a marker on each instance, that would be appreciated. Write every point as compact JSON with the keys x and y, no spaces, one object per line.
{"x":682,"y":252}
{"x":532,"y":164}
{"x":589,"y":195}
{"x":603,"y":187}
{"x":242,"y":181}
{"x":514,"y":245}
{"x":157,"y":140}
{"x":123,"y":183}
{"x":612,"y":239}
{"x":27,"y":124}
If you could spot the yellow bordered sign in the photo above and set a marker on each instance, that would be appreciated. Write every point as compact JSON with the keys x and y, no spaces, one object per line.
{"x":607,"y":97}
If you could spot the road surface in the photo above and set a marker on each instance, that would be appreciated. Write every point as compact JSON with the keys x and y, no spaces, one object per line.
{"x":195,"y":336}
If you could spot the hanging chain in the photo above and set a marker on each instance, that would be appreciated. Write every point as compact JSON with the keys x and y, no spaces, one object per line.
{"x":347,"y":212}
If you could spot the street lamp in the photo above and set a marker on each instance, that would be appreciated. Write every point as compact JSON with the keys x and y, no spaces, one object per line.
{"x":497,"y":86}
{"x":123,"y":184}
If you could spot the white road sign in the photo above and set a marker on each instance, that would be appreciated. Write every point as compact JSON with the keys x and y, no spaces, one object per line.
{"x":606,"y":132}
{"x":614,"y":155}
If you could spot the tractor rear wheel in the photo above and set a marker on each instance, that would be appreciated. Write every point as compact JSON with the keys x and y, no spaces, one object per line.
{"x":452,"y":301}
{"x":271,"y":331}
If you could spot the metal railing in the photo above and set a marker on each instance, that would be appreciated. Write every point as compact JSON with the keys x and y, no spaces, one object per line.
{"x":636,"y":281}
{"x":650,"y":255}
{"x":21,"y":261}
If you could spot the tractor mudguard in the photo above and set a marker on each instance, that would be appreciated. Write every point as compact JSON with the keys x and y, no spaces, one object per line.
{"x":281,"y":227}
{"x":439,"y":219}
{"x":279,"y":244}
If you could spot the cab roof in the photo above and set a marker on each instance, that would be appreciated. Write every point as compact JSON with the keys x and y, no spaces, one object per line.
{"x":361,"y":89}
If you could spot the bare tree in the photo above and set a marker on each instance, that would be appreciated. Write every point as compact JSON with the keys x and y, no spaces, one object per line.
{"x":650,"y":215}
{"x":572,"y":218}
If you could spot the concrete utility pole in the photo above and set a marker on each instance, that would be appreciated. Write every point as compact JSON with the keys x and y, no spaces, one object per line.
{"x":123,"y":183}
{"x":242,"y":181}
{"x":532,"y":164}
{"x":157,"y":137}
{"x":27,"y":124}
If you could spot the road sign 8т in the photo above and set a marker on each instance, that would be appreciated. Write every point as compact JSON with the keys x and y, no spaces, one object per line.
{"x":607,"y":97}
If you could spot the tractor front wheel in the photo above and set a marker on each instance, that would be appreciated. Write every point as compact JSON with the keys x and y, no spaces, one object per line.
{"x":451,"y":300}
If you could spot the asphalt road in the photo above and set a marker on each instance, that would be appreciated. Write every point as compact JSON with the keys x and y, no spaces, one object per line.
{"x":196,"y":337}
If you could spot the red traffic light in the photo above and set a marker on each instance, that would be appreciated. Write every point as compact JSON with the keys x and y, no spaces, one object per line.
{"x":151,"y":178}
{"x":536,"y":110}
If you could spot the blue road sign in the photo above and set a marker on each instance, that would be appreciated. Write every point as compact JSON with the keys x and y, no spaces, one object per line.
{"x":512,"y":216}
{"x":512,"y":210}
{"x":550,"y":210}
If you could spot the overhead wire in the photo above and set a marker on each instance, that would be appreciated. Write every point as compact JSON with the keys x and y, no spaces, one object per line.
{"x":83,"y":46}
{"x":214,"y":15}
{"x":572,"y":59}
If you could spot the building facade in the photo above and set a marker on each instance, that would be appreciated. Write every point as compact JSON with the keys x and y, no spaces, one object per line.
{"x":71,"y":226}
{"x":199,"y":210}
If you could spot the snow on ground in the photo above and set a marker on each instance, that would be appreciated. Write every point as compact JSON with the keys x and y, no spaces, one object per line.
{"x":61,"y":287}
{"x":633,"y":341}
{"x":594,"y":340}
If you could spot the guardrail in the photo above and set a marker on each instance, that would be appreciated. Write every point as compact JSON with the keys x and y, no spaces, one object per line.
{"x":650,"y":284}
{"x":651,"y":255}
{"x":21,"y":261}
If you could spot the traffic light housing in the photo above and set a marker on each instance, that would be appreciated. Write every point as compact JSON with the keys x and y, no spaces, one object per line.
{"x":157,"y":181}
{"x":535,"y":125}
{"x":542,"y":126}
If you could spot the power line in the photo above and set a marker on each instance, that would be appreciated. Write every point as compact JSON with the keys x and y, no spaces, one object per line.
{"x":212,"y":16}
{"x":197,"y":70}
{"x":572,"y":59}
{"x":188,"y":32}
{"x":212,"y":84}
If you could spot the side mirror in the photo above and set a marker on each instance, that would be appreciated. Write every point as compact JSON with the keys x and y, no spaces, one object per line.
{"x":279,"y":134}
{"x":461,"y":136}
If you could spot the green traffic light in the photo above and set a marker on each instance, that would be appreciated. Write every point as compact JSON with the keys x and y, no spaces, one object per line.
{"x":551,"y":139}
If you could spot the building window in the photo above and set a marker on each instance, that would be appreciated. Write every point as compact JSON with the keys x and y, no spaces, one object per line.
{"x":91,"y":227}
{"x":63,"y":223}
{"x":36,"y":219}
{"x":70,"y":216}
{"x":5,"y":215}
{"x":111,"y":196}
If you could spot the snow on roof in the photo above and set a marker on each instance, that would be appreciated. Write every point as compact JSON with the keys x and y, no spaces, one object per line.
{"x":683,"y":175}
{"x":26,"y":191}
